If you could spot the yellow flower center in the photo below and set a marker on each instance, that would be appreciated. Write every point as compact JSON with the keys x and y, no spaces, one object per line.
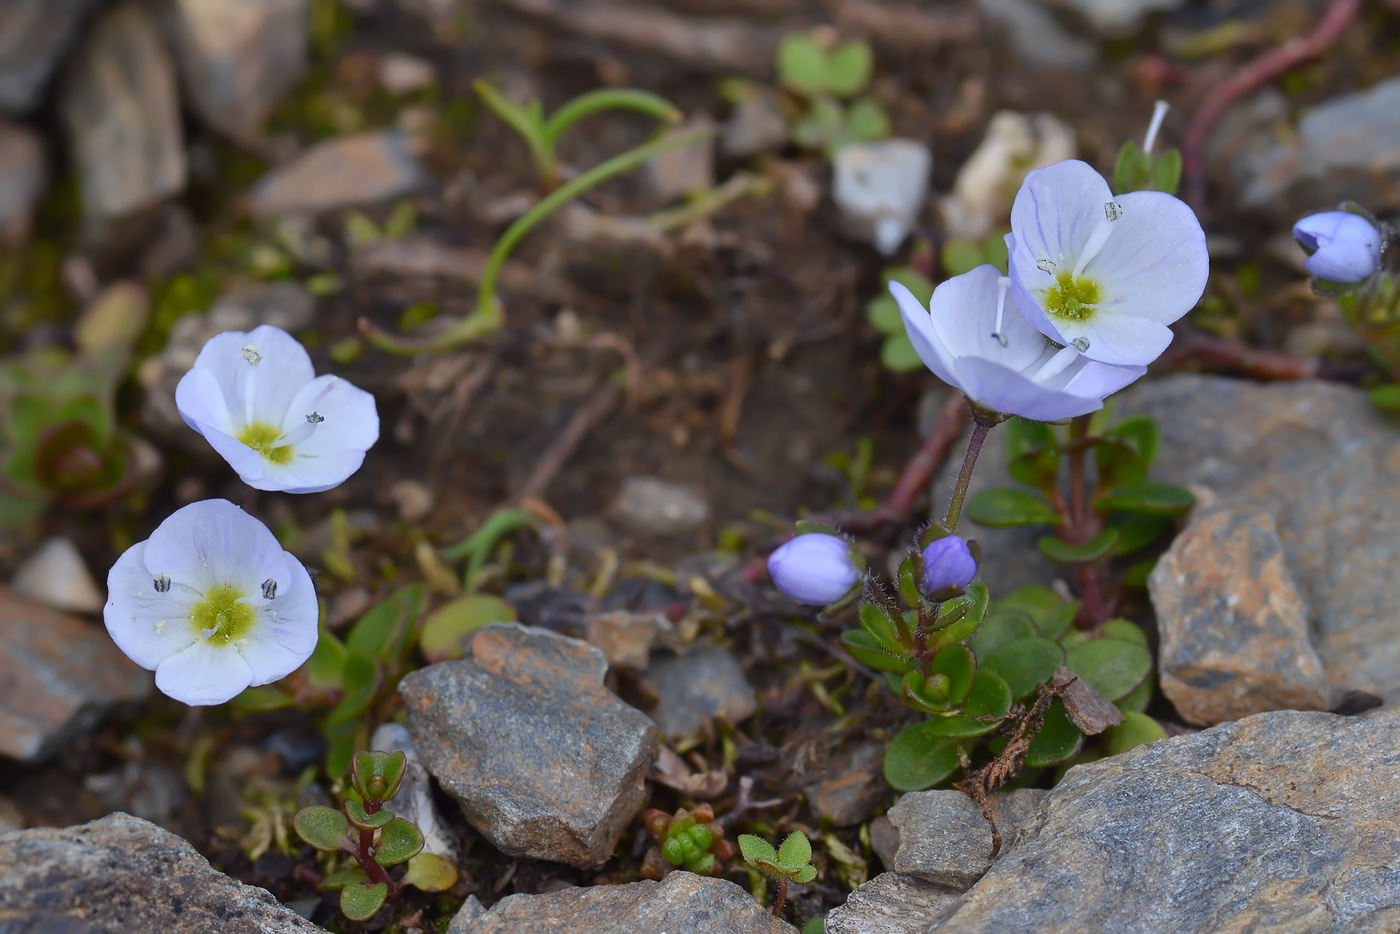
{"x":262,"y":437}
{"x":220,"y":619}
{"x":1072,"y":299}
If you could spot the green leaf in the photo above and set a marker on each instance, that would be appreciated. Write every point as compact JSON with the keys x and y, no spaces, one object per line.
{"x":918,"y":758}
{"x":959,"y":665}
{"x":259,"y":699}
{"x":1124,"y":629}
{"x":884,"y":315}
{"x":325,"y":669}
{"x":960,"y":256}
{"x":363,"y":820}
{"x":822,"y":123}
{"x":1386,"y":397}
{"x":929,"y":695}
{"x":339,"y":880}
{"x":399,"y":841}
{"x":897,"y":354}
{"x":1150,"y":496}
{"x":999,"y":628}
{"x":1033,"y":453}
{"x":1136,"y":700}
{"x":959,"y":618}
{"x":362,"y":681}
{"x":342,"y":739}
{"x":1136,"y":530}
{"x":1129,"y":169}
{"x":802,"y":65}
{"x":1142,"y":433}
{"x":867,"y":651}
{"x":814,"y":926}
{"x":757,"y":850}
{"x":1112,"y":667}
{"x":1000,"y":507}
{"x":1137,"y":574}
{"x":866,"y":121}
{"x":1166,"y":172}
{"x":1058,"y":741}
{"x":795,"y":852}
{"x":913,"y":280}
{"x":378,"y":630}
{"x":805,"y":874}
{"x":449,"y":629}
{"x":1062,"y":551}
{"x":1119,"y":463}
{"x":848,"y":68}
{"x":877,"y":621}
{"x":1135,"y":730}
{"x":982,"y":710}
{"x":360,"y":902}
{"x":321,"y":827}
{"x":429,"y":872}
{"x":1025,"y":663}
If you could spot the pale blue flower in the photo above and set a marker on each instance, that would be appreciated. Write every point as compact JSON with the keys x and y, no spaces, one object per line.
{"x":212,"y":604}
{"x":973,"y":342}
{"x":948,"y":562}
{"x":814,"y":568}
{"x":1104,"y":273}
{"x":1342,"y":246}
{"x":256,"y":399}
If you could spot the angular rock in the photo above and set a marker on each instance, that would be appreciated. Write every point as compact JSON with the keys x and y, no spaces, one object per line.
{"x":652,"y":506}
{"x":56,"y":576}
{"x":682,"y":902}
{"x":681,"y":172}
{"x":58,"y":677}
{"x":33,"y":36}
{"x":340,"y":173}
{"x":891,"y":903}
{"x":849,"y":786}
{"x":22,"y":178}
{"x":122,"y":113}
{"x":1317,"y":456}
{"x":545,"y":761}
{"x":1234,"y":631}
{"x":881,"y":188}
{"x":756,"y":126}
{"x":123,"y":875}
{"x":239,"y":57}
{"x":624,"y":638}
{"x":884,"y":840}
{"x":943,"y":838}
{"x":1284,"y":821}
{"x":697,"y":688}
{"x":471,"y":910}
{"x":987,"y":182}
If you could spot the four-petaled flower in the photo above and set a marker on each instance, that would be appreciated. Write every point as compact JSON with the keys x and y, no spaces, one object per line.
{"x":972,"y":341}
{"x":212,"y":604}
{"x":1342,"y":246}
{"x":257,"y":400}
{"x":1102,"y":273}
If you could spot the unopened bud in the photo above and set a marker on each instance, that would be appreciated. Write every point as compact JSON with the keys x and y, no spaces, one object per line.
{"x":815,"y":568}
{"x":948,"y":563}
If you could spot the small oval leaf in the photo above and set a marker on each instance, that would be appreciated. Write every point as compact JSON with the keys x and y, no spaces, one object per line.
{"x":399,"y":841}
{"x":360,"y":902}
{"x":918,"y":758}
{"x":321,"y":827}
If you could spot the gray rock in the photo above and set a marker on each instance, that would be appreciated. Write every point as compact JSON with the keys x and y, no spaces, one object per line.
{"x":652,"y":506}
{"x":624,"y":638}
{"x":684,"y":171}
{"x":849,"y":786}
{"x":1347,"y":148}
{"x":545,"y":761}
{"x":11,"y":818}
{"x":1038,"y":37}
{"x":1234,"y":631}
{"x":58,"y":677}
{"x":239,"y":57}
{"x":943,"y":838}
{"x":884,"y":840}
{"x":755,"y":127}
{"x":1283,"y":821}
{"x":1317,"y":456}
{"x":1014,"y":144}
{"x":881,"y":188}
{"x":697,"y":688}
{"x":340,"y":173}
{"x":33,"y":36}
{"x":123,"y":875}
{"x":683,"y":902}
{"x":1117,"y":18}
{"x":891,"y":903}
{"x":122,"y":114}
{"x":471,"y":910}
{"x":23,"y":176}
{"x":55,"y":575}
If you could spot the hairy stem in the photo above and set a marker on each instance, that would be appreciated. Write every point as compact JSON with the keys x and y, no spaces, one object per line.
{"x":781,"y":899}
{"x":974,"y":447}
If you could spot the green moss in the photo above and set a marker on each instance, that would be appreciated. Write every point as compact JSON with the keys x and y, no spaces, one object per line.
{"x":1072,"y":299}
{"x":221,"y":616}
{"x":262,"y":437}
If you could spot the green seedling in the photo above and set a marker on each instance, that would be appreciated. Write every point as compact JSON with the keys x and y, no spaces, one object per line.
{"x":791,"y":862}
{"x":822,"y":75}
{"x":374,"y":837}
{"x":691,"y":840}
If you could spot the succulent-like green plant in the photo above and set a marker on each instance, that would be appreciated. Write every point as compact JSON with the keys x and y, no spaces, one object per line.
{"x":790,"y":862}
{"x":370,"y":833}
{"x":691,"y":840}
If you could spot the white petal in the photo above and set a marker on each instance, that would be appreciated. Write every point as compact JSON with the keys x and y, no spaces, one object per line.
{"x":919,"y":327}
{"x":148,"y":626}
{"x":282,"y":369}
{"x":1025,"y":276}
{"x":286,"y":629}
{"x":349,"y":419}
{"x":200,"y":401}
{"x":964,"y":313}
{"x":203,"y":674}
{"x":1155,"y":263}
{"x":1056,"y":210}
{"x":1119,"y":339}
{"x":309,"y":473}
{"x":214,"y":542}
{"x":1004,"y":390}
{"x":1101,"y":379}
{"x":247,"y":463}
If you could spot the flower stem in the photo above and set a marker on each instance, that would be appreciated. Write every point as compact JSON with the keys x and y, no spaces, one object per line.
{"x":371,"y":866}
{"x":974,"y":447}
{"x":781,"y":899}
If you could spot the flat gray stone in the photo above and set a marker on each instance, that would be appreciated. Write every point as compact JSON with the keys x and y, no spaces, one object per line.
{"x":891,"y":903}
{"x":849,"y":785}
{"x":545,"y":761}
{"x":683,"y":903}
{"x":239,"y":57}
{"x":340,"y":173}
{"x":122,"y":113}
{"x":697,"y":688}
{"x":943,"y":838}
{"x":652,"y":506}
{"x":755,"y":127}
{"x":123,"y":875}
{"x":1316,"y":456}
{"x":1233,"y":628}
{"x":1287,"y":821}
{"x":59,"y":676}
{"x":33,"y":36}
{"x":471,"y":910}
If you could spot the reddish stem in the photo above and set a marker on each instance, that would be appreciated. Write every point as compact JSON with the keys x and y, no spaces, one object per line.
{"x":1081,"y":524}
{"x":782,"y":898}
{"x":1250,"y":77}
{"x":376,"y":872}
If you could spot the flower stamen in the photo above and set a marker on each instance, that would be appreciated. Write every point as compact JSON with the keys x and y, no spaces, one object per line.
{"x":1056,"y":364}
{"x":1003,"y":283}
{"x":1159,"y":112}
{"x":1072,"y":297}
{"x":220,"y":617}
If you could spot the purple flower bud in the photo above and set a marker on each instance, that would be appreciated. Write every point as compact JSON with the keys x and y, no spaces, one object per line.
{"x":815,"y":568}
{"x":948,"y":563}
{"x":1343,"y":247}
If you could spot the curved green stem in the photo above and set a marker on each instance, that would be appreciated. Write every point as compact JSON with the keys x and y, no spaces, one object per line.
{"x":974,"y":447}
{"x":607,"y":99}
{"x":488,"y":317}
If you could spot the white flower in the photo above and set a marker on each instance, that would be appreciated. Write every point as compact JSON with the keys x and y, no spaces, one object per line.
{"x":256,"y":399}
{"x":971,"y":341}
{"x":212,"y":604}
{"x":1103,"y":273}
{"x":1342,"y":247}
